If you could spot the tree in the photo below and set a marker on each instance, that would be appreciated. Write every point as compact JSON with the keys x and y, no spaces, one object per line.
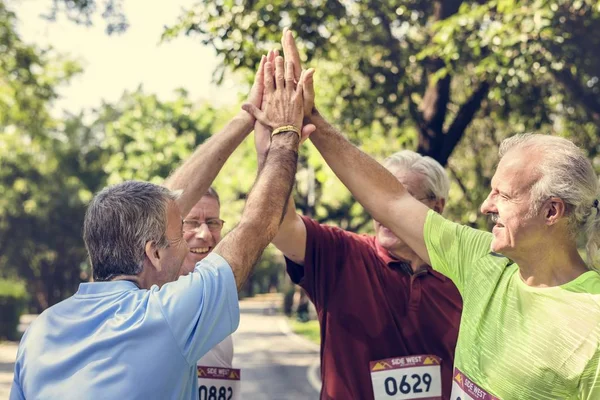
{"x":36,"y":181}
{"x":418,"y":74}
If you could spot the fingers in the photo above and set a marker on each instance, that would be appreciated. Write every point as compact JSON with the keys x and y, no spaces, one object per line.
{"x":259,"y":77}
{"x":308,"y":90}
{"x":289,"y":76}
{"x":290,"y":52}
{"x":279,"y":72}
{"x":269,"y":83}
{"x":272,"y":55}
{"x":256,"y":113}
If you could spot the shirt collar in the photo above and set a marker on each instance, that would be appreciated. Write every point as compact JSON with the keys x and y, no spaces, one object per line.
{"x":91,"y":288}
{"x":405,"y":266}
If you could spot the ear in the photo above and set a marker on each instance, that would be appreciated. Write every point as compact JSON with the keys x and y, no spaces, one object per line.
{"x":152,"y":254}
{"x":439,"y":205}
{"x":554,"y":210}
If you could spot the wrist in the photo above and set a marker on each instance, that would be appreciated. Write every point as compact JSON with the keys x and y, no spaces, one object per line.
{"x":285,"y":139}
{"x":246,"y":119}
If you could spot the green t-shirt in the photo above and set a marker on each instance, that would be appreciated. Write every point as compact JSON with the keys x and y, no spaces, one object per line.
{"x":517,"y":341}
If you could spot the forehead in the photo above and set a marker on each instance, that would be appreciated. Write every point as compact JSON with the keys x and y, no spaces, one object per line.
{"x":516,"y":171}
{"x":208,"y":206}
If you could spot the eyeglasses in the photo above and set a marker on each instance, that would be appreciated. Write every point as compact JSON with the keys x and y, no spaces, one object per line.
{"x":213,"y":225}
{"x":422,"y":199}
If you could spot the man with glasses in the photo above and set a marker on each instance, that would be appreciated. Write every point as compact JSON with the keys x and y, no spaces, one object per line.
{"x":202,"y":231}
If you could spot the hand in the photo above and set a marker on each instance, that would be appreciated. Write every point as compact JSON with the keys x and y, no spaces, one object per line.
{"x":256,"y":92}
{"x":262,"y":134}
{"x":290,"y":52}
{"x":282,"y":97}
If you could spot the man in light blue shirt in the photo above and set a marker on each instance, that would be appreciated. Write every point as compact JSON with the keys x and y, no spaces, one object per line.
{"x":137,"y":332}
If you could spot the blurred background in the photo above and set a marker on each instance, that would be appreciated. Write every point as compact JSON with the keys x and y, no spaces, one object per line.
{"x":96,"y":92}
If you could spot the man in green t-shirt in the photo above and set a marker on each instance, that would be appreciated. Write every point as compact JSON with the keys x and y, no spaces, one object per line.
{"x":530,"y":326}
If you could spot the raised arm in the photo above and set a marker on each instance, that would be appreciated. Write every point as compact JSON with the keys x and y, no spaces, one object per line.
{"x":382,"y":195}
{"x":291,"y":237}
{"x":265,"y":205}
{"x":197,"y":173}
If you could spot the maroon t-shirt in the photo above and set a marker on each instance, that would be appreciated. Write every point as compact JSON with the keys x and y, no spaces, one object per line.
{"x":372,"y":307}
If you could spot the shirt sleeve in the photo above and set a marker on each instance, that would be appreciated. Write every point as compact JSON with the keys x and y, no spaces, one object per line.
{"x":201,"y":308}
{"x":16,"y":393}
{"x":327,"y":249}
{"x":453,"y":248}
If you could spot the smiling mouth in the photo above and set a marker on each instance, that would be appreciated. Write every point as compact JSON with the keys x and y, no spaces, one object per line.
{"x":200,"y":250}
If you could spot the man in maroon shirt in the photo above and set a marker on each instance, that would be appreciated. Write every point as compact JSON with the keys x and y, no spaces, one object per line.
{"x":374,"y":297}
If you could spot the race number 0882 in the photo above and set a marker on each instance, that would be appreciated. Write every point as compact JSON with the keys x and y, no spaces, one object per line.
{"x":212,"y":393}
{"x":392,"y":386}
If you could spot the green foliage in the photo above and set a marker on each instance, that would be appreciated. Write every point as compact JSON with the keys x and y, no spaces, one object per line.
{"x":13,"y":298}
{"x":450,"y":79}
{"x":144,"y":138}
{"x":310,"y":330}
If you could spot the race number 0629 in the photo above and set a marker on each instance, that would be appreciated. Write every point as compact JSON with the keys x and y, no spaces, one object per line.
{"x":415,"y":383}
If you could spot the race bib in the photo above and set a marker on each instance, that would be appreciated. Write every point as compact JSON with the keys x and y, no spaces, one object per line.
{"x":465,"y":389}
{"x":403,"y":378}
{"x":218,"y":383}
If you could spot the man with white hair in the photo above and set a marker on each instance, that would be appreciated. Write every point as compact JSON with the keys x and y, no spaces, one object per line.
{"x":376,"y":299}
{"x":530,"y":327}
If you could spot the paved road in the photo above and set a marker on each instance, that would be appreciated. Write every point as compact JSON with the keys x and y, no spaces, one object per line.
{"x":8,"y":352}
{"x":275,"y":364}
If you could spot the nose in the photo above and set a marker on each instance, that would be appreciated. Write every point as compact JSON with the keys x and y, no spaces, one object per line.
{"x":203,"y":232}
{"x":489,"y":206}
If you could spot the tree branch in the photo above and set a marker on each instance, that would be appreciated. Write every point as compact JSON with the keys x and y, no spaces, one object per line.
{"x":587,"y":100}
{"x":461,"y":121}
{"x":460,"y":183}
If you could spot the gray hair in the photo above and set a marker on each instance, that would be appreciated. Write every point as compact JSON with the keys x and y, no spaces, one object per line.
{"x":119,"y":221}
{"x":436,"y":180}
{"x":566,"y":173}
{"x":211,"y":192}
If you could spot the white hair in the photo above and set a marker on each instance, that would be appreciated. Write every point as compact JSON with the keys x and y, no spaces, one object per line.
{"x":566,"y":173}
{"x":437,"y":183}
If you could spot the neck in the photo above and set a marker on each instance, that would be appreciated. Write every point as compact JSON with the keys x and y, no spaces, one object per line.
{"x":408,"y":256}
{"x":558,"y":263}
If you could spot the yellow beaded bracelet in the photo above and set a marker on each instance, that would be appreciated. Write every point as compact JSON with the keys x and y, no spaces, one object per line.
{"x":286,"y":128}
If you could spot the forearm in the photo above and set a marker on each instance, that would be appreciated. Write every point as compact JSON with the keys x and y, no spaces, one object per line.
{"x":291,"y":235}
{"x":380,"y":192}
{"x":370,"y":183}
{"x":195,"y":175}
{"x":264,"y":208}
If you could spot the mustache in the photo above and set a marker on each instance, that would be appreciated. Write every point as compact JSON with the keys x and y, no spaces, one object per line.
{"x":494,"y":218}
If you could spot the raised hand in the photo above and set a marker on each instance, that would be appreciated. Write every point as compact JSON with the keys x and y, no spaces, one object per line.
{"x":282,"y":101}
{"x":290,"y":52}
{"x":256,"y":92}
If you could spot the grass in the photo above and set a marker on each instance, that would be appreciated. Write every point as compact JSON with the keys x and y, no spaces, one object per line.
{"x":310,"y":330}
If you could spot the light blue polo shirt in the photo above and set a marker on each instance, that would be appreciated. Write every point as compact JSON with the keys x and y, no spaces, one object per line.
{"x":112,"y":340}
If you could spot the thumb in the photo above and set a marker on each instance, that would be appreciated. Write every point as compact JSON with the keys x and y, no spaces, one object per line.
{"x":255,"y":112}
{"x":307,"y":130}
